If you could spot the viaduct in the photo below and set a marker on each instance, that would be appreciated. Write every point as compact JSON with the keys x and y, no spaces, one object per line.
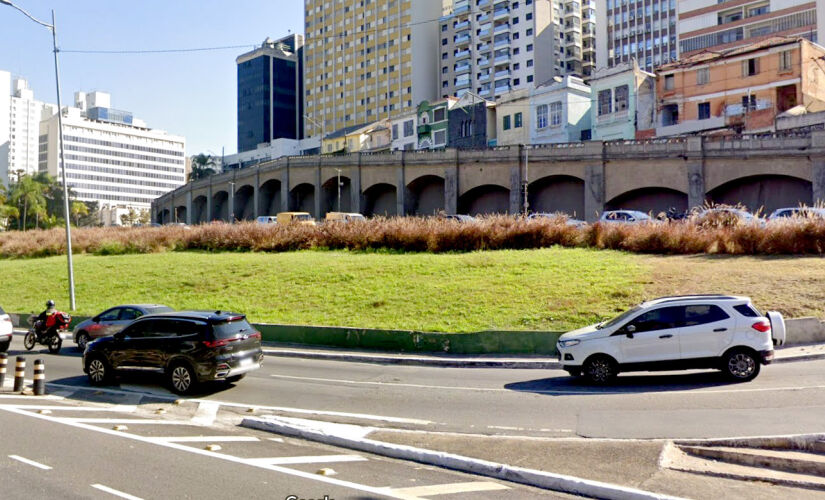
{"x":580,"y":179}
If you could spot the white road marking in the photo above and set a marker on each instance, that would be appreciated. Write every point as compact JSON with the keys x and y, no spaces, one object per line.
{"x":208,"y":439}
{"x":115,"y":492}
{"x":319,"y":459}
{"x":29,"y":462}
{"x":30,"y":397}
{"x":449,"y":489}
{"x":206,"y":413}
{"x":115,"y":408}
{"x":229,"y":458}
{"x":122,"y":421}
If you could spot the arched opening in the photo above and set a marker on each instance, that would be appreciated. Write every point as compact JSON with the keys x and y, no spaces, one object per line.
{"x":244,"y":206}
{"x":767,"y":192}
{"x":330,"y":202}
{"x":180,"y":214}
{"x":426,"y":195}
{"x":380,"y":199}
{"x":220,"y":206}
{"x":653,"y":199}
{"x":486,"y":199}
{"x":164,"y":216}
{"x":199,"y":215}
{"x":302,"y":198}
{"x":557,"y":193}
{"x":269,"y":197}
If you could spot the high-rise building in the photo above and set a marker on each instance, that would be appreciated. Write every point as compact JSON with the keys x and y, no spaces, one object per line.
{"x":640,"y":29}
{"x":270,"y":93}
{"x":367,"y":60}
{"x":20,"y":116}
{"x":111,"y":157}
{"x":716,"y":25}
{"x":490,"y":47}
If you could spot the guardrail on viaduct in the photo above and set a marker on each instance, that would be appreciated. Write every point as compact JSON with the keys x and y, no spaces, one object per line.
{"x":581,"y":179}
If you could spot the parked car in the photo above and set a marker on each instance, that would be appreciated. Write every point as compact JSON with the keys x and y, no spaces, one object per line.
{"x":303,"y":218}
{"x":459,"y":217}
{"x":6,"y":330}
{"x":797,"y":212}
{"x":188,"y":347}
{"x":673,"y":333}
{"x":625,"y":217}
{"x":111,"y":321}
{"x":570,"y":221}
{"x":267,"y":219}
{"x":344,"y":217}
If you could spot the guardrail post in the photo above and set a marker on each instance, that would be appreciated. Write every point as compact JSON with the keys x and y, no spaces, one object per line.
{"x":4,"y":360}
{"x":19,"y":373}
{"x":39,"y":377}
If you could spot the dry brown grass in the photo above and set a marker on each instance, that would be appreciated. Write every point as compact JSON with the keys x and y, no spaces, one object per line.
{"x":411,"y":234}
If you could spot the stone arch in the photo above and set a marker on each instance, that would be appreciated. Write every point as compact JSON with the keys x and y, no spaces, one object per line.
{"x":485,"y":199}
{"x":302,"y":198}
{"x":767,"y":192}
{"x":557,"y":193}
{"x":164,"y":216}
{"x":329,"y":201}
{"x":269,"y":197}
{"x":650,"y":199}
{"x":426,"y":195}
{"x":180,"y":214}
{"x":380,"y":199}
{"x":199,"y":215}
{"x":220,"y":206}
{"x":244,"y":205}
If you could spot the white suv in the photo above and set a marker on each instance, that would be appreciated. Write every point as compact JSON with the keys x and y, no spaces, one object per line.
{"x":6,"y":329}
{"x":675,"y":333}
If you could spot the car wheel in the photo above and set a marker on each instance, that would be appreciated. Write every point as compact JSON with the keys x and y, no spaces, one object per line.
{"x":55,"y":343}
{"x":600,"y":369}
{"x":741,"y":365}
{"x":4,"y":346}
{"x":235,"y":378}
{"x":181,"y":378}
{"x":98,"y":371}
{"x":29,"y":340}
{"x":82,"y":340}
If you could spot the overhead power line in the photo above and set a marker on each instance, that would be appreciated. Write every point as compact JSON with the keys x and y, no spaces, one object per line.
{"x":158,"y":51}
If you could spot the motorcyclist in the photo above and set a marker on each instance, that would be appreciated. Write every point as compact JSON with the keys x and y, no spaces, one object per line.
{"x":44,"y":316}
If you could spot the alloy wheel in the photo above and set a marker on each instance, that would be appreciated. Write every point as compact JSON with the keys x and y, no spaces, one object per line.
{"x":741,"y":365}
{"x":181,"y":378}
{"x":97,"y":371}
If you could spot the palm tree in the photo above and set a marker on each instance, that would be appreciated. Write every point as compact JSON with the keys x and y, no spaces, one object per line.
{"x":77,"y":209}
{"x":28,"y":193}
{"x":203,"y":165}
{"x":6,"y":211}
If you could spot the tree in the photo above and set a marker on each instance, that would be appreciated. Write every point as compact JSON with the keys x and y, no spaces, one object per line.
{"x":6,"y":211}
{"x":78,"y":209}
{"x":144,"y":217}
{"x":129,"y":218}
{"x":203,"y":165}
{"x":93,"y":217}
{"x":27,"y":195}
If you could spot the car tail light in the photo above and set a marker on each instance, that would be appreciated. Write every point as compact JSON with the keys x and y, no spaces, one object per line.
{"x":7,"y":319}
{"x":762,"y":326}
{"x":218,"y":343}
{"x":255,"y":335}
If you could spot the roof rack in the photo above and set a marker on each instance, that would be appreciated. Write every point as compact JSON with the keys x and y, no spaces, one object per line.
{"x":698,"y":296}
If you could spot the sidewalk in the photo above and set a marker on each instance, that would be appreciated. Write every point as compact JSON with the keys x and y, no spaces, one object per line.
{"x":783,"y":355}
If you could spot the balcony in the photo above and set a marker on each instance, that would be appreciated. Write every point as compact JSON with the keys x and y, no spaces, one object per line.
{"x":484,"y":18}
{"x":461,"y":69}
{"x":484,"y":33}
{"x":503,"y":59}
{"x":502,"y":28}
{"x":484,"y":77}
{"x":462,"y":54}
{"x":462,"y":84}
{"x":502,"y":43}
{"x":502,"y":73}
{"x":462,"y":25}
{"x":484,"y":92}
{"x":462,"y":39}
{"x":483,"y":63}
{"x":483,"y":47}
{"x":463,"y":9}
{"x":501,"y":14}
{"x":424,"y":129}
{"x":502,"y":88}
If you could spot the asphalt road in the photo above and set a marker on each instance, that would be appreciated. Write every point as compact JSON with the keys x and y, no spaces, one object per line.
{"x":784,"y":399}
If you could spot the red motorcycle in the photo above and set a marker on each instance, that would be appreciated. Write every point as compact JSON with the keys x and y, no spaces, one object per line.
{"x":47,"y":332}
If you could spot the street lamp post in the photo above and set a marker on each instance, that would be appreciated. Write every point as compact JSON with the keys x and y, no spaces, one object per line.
{"x":62,"y":164}
{"x":323,"y":131}
{"x":232,"y":202}
{"x":339,"y":188}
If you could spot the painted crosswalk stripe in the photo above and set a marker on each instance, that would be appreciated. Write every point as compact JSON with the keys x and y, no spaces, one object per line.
{"x":449,"y":489}
{"x":123,"y":421}
{"x":115,"y":492}
{"x":116,"y":408}
{"x":29,"y":462}
{"x":308,"y":460}
{"x":208,"y":439}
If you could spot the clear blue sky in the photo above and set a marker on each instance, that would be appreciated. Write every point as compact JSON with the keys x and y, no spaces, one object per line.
{"x":191,"y":94}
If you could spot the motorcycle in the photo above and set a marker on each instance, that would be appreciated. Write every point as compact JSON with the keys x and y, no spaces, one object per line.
{"x":47,"y":332}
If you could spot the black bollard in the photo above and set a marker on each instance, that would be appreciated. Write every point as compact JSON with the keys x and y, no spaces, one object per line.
{"x":19,"y":373}
{"x":39,"y":377}
{"x":4,"y":360}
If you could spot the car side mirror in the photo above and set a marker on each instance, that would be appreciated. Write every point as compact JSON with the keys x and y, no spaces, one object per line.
{"x":630,"y":330}
{"x":119,"y":336}
{"x":96,"y":319}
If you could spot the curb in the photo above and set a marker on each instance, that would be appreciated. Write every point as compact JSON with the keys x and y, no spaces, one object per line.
{"x":350,"y":436}
{"x":799,"y":357}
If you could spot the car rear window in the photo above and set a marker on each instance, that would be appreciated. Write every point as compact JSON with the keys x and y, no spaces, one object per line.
{"x":2,"y":311}
{"x":747,"y":310}
{"x":231,"y":328}
{"x":156,"y":310}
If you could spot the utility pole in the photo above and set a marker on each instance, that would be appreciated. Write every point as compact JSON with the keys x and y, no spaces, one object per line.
{"x":526,"y":178}
{"x":339,"y":188}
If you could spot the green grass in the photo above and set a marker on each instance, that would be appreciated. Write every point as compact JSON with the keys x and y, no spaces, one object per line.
{"x":548,"y":289}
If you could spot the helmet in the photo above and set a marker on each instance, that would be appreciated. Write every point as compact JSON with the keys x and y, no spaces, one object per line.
{"x":50,"y":303}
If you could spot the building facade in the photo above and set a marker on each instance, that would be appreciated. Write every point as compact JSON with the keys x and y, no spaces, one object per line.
{"x":116,"y":164}
{"x":471,"y":123}
{"x":624,"y":103}
{"x":512,"y":110}
{"x":404,"y":136}
{"x":742,"y":89}
{"x":642,"y":29}
{"x":560,"y":111}
{"x":433,"y":123}
{"x":367,"y":61}
{"x":20,"y":116}
{"x":270,"y":93}
{"x":714,"y":25}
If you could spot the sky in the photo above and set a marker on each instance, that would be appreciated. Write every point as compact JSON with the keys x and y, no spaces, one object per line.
{"x":193,"y":94}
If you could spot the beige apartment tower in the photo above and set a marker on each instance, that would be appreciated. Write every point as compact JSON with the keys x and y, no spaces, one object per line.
{"x":367,"y":60}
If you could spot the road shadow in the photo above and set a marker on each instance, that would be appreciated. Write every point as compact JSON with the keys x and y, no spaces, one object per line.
{"x":70,"y":352}
{"x":624,"y":384}
{"x":145,"y":384}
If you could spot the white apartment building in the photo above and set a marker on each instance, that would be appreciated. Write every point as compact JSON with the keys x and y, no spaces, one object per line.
{"x":404,"y":134}
{"x":20,"y":116}
{"x":112,"y":158}
{"x":642,"y":29}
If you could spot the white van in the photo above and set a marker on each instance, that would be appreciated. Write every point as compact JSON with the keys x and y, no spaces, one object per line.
{"x":267,"y":219}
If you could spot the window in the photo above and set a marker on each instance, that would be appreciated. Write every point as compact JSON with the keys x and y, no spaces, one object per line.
{"x":529,"y":78}
{"x":128,"y":314}
{"x":505,"y":123}
{"x":517,"y":120}
{"x":529,"y":16}
{"x":515,"y":20}
{"x":702,"y":76}
{"x":408,"y":128}
{"x":605,"y":102}
{"x":555,"y":114}
{"x":748,"y":103}
{"x":620,"y":97}
{"x":785,"y":60}
{"x":110,"y":315}
{"x":439,"y":115}
{"x":529,"y":63}
{"x":746,"y":310}
{"x":440,"y":137}
{"x":750,"y":67}
{"x":395,"y":131}
{"x":701,"y":314}
{"x":658,"y":319}
{"x":669,"y":82}
{"x":529,"y":32}
{"x":541,"y":116}
{"x":703,"y":109}
{"x":530,"y":48}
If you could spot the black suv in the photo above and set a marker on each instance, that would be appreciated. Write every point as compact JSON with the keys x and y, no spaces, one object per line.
{"x":187,"y":346}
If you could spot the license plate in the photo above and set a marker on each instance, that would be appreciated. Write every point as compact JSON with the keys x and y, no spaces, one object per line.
{"x":246,"y":362}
